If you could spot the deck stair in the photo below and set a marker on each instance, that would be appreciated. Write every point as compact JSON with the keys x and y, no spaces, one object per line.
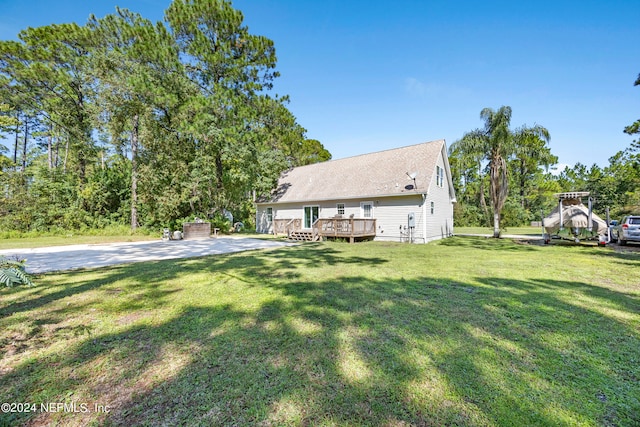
{"x":303,"y":236}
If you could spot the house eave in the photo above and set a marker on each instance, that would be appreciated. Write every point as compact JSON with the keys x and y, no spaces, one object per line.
{"x":376,"y":196}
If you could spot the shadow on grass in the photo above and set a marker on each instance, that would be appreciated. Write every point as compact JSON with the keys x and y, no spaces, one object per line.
{"x":623,"y":256}
{"x":347,"y":350}
{"x":489,"y":243}
{"x":42,"y":295}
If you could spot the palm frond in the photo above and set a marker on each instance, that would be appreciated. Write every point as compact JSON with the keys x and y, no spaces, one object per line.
{"x":8,"y":277}
{"x":12,"y":272}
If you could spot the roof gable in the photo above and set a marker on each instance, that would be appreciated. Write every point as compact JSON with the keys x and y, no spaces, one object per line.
{"x":383,"y":173}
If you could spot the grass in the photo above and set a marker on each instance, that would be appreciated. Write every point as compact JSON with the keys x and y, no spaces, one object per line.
{"x":468,"y":332}
{"x":522,"y":230}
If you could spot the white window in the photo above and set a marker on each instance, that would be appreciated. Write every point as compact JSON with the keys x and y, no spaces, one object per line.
{"x":439,"y":176}
{"x":366,"y":209}
{"x":433,"y":207}
{"x":311,"y":214}
{"x":269,"y":215}
{"x":340,"y":207}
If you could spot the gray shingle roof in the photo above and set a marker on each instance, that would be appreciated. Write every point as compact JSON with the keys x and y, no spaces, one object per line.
{"x":383,"y":173}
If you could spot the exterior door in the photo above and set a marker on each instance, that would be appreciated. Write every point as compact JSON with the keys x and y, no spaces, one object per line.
{"x":311,"y":214}
{"x":366,"y":209}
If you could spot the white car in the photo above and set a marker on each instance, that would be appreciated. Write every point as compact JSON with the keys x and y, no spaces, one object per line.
{"x":628,"y":230}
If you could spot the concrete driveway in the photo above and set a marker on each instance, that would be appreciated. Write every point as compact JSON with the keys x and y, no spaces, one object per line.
{"x":57,"y":258}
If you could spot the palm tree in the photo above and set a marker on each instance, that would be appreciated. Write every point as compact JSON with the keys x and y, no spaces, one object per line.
{"x":634,"y":128}
{"x":496,"y":143}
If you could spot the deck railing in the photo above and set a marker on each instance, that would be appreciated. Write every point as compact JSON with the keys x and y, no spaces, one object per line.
{"x":286,"y":225}
{"x":348,"y":228}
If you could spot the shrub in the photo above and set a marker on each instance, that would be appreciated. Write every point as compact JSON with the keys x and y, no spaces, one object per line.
{"x":219,"y":221}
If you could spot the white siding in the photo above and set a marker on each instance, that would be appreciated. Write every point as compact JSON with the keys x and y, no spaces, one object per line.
{"x":327,"y":209}
{"x":391,"y":214}
{"x":439,"y":224}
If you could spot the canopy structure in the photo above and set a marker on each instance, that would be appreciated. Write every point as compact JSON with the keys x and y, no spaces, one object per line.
{"x":574,"y":217}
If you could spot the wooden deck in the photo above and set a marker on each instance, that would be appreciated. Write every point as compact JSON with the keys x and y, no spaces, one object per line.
{"x":342,"y":228}
{"x":285,"y":226}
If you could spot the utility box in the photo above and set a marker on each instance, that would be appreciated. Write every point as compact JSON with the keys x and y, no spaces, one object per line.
{"x":411,"y":221}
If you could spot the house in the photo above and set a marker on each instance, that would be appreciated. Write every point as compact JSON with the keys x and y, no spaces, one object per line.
{"x":403,"y":194}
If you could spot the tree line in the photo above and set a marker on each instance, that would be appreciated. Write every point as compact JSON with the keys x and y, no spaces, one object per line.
{"x":127,"y":121}
{"x":502,"y":176}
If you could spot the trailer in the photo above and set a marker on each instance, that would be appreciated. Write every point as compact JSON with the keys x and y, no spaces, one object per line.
{"x":572,"y":220}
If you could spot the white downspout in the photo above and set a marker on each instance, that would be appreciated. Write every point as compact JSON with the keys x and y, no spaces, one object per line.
{"x":424,"y":217}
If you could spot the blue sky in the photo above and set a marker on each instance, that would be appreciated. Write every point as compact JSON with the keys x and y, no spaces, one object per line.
{"x":371,"y":75}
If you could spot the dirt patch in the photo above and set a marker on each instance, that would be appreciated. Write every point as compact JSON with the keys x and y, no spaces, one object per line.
{"x":628,"y":248}
{"x":632,"y":248}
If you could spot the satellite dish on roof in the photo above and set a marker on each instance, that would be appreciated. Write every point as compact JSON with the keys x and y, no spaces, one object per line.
{"x":412,"y":176}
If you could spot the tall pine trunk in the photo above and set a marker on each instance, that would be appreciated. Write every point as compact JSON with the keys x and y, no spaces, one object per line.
{"x":134,"y":173}
{"x":81,"y":154}
{"x":24,"y":145}
{"x":66,"y":155}
{"x":56,"y":154}
{"x":15,"y":145}
{"x":50,"y":148}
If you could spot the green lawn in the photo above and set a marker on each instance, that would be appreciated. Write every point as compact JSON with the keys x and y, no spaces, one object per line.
{"x":523,"y":230}
{"x":467,"y":332}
